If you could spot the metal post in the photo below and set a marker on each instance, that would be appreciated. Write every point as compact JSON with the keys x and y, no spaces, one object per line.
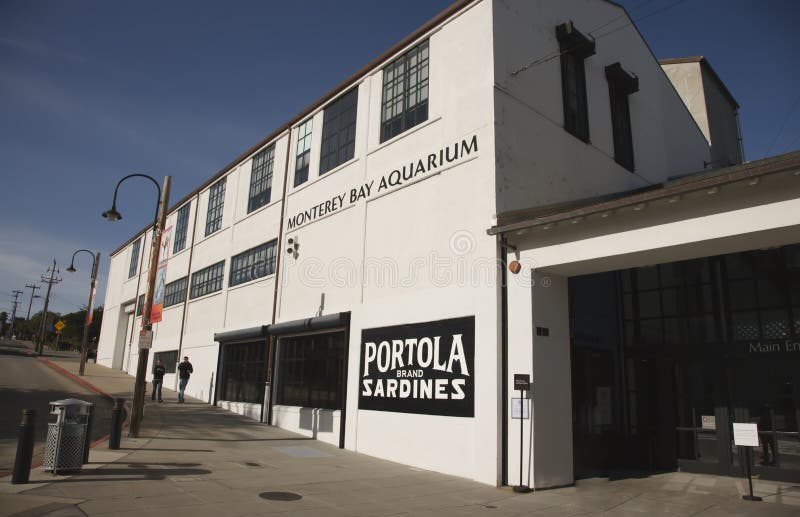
{"x":116,"y":424}
{"x":22,"y":462}
{"x":92,"y":289}
{"x":144,"y":353}
{"x":88,"y":441}
{"x":750,"y":497}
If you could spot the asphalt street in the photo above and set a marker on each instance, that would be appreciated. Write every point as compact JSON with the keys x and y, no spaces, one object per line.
{"x":29,"y":383}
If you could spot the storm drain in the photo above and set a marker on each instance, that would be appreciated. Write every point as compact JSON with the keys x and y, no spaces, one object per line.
{"x":280,"y":496}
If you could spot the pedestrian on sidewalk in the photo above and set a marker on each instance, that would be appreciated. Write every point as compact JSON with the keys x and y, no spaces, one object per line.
{"x":185,"y":371}
{"x":158,"y":379}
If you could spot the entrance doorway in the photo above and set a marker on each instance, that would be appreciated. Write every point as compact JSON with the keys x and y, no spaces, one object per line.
{"x":666,"y":358}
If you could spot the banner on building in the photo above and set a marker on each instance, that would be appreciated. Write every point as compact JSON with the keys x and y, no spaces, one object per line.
{"x":161,"y":277}
{"x":425,"y":368}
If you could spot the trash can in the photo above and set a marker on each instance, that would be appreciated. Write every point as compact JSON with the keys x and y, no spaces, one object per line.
{"x":66,"y":437}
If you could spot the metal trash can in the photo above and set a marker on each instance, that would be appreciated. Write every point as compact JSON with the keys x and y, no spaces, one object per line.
{"x":66,"y":437}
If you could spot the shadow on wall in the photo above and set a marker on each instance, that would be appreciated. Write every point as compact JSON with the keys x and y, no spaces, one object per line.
{"x":316,"y":420}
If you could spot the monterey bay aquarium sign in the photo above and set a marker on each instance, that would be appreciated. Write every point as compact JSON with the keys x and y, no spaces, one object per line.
{"x":425,"y":368}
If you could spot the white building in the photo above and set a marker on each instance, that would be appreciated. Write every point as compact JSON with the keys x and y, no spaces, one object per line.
{"x":367,"y":239}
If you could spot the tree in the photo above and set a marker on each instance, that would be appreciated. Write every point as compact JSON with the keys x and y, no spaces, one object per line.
{"x":3,"y":320}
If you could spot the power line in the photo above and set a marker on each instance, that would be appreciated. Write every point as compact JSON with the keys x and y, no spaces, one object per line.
{"x":50,"y":281}
{"x":33,"y":288}
{"x":783,"y":125}
{"x":16,"y":293}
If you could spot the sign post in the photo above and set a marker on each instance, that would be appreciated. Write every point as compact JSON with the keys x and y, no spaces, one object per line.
{"x":522,"y":382}
{"x":746,"y":435}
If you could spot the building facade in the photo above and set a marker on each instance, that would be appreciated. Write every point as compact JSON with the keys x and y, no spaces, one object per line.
{"x":346,"y":278}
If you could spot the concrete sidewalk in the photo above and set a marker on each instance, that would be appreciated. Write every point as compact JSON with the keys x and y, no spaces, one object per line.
{"x":194,"y":459}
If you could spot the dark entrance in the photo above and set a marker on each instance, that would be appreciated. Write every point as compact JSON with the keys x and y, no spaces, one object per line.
{"x":666,"y":358}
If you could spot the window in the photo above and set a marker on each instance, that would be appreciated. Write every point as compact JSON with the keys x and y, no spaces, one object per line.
{"x":134,"y":258}
{"x":310,"y":371}
{"x":303,"y":153}
{"x":244,"y":372}
{"x":620,"y":85}
{"x":168,"y":359}
{"x":181,"y":226}
{"x":261,"y":179}
{"x":405,"y":92}
{"x":254,"y":263}
{"x":575,"y":48}
{"x":216,"y":200}
{"x":339,"y":131}
{"x":207,"y":280}
{"x":175,"y":292}
{"x":139,"y":305}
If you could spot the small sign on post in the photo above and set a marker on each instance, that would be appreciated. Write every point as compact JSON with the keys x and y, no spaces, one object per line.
{"x":59,"y":326}
{"x":746,"y":435}
{"x":522,"y":382}
{"x":145,"y":339}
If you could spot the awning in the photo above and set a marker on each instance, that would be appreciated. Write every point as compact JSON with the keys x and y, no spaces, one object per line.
{"x":242,"y":334}
{"x":329,"y":321}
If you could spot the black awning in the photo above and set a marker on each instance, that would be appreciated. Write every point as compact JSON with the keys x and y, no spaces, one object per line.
{"x":242,"y":334}
{"x":329,"y":321}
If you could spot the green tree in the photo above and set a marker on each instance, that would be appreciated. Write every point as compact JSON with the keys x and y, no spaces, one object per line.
{"x":3,"y":320}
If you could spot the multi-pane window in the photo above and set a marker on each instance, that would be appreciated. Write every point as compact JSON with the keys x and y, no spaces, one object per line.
{"x":207,"y":280}
{"x":574,"y":48}
{"x":139,"y":305}
{"x":310,"y":371}
{"x":168,"y":359}
{"x":175,"y":292}
{"x":261,"y":179}
{"x":243,"y":372}
{"x":134,"y":258}
{"x":405,"y":92}
{"x":620,"y":86}
{"x":303,"y":153}
{"x":181,"y":227}
{"x":339,"y":131}
{"x":216,"y":200}
{"x":254,"y":263}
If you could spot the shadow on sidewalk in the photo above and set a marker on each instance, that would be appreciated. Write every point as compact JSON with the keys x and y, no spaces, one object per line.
{"x":164,"y":450}
{"x":137,"y":472}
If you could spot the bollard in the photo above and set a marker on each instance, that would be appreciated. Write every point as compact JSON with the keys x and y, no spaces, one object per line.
{"x":88,"y":441}
{"x":116,"y":424}
{"x":22,"y":463}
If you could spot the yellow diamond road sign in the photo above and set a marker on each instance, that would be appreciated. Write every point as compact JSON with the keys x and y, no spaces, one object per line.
{"x":59,"y":326}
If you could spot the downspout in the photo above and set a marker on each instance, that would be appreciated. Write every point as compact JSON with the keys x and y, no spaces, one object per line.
{"x":186,"y":297}
{"x":504,"y":358}
{"x":271,"y":352}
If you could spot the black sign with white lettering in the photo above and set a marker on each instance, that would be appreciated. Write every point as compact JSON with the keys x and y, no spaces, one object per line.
{"x":522,"y":381}
{"x":425,"y":368}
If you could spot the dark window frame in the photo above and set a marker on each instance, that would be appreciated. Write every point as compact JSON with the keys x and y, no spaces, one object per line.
{"x":261,"y":170}
{"x":134,"y":264}
{"x":310,"y":370}
{"x":621,"y":85}
{"x":405,"y":92}
{"x":574,"y":48}
{"x":216,"y":205}
{"x":175,"y":292}
{"x":139,"y":305}
{"x":207,"y":280}
{"x":181,"y":228}
{"x":339,"y":131}
{"x":243,"y":372}
{"x":169,"y":358}
{"x":257,"y":262}
{"x":303,"y":152}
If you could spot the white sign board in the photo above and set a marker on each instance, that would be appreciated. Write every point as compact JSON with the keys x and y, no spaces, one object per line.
{"x":517,"y":407}
{"x":145,"y":339}
{"x":745,"y":434}
{"x":708,"y":421}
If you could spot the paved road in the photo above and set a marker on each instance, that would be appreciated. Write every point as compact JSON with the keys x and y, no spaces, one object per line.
{"x":28,"y":383}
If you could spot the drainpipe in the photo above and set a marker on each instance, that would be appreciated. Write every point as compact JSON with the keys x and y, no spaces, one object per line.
{"x":504,"y":357}
{"x":186,"y":297}
{"x":268,"y":398}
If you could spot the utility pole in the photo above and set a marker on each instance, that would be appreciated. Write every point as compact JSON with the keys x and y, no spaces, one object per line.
{"x":33,"y":288}
{"x":50,"y":281}
{"x":16,"y":293}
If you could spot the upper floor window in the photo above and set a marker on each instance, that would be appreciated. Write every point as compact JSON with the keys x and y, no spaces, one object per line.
{"x":261,"y":179}
{"x":405,"y":92}
{"x":134,"y":258}
{"x":139,"y":305}
{"x":575,"y":48}
{"x":181,"y":227}
{"x":303,"y":153}
{"x":339,"y":131}
{"x":175,"y":292}
{"x":254,"y":263}
{"x":620,"y":85}
{"x":216,"y":200}
{"x":207,"y":280}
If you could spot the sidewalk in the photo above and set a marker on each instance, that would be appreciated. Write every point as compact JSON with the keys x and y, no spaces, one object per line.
{"x":194,"y":459}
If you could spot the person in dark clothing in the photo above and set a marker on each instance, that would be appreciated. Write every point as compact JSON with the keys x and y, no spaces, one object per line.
{"x":158,"y":380}
{"x":185,"y":370}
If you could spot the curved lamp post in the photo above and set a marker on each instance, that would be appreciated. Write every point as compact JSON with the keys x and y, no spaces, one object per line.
{"x":92,"y":290}
{"x":158,"y":228}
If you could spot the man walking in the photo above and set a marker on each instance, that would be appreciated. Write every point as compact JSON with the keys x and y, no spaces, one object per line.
{"x":185,"y":371}
{"x":158,"y":379}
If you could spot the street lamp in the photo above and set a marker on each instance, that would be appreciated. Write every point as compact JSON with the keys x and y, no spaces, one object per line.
{"x":92,"y":289}
{"x":158,"y":228}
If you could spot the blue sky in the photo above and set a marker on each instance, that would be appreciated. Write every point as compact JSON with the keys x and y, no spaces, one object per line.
{"x":93,"y":90}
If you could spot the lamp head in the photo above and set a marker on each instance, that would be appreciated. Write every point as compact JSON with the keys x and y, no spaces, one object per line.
{"x":71,"y":268}
{"x":112,"y":214}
